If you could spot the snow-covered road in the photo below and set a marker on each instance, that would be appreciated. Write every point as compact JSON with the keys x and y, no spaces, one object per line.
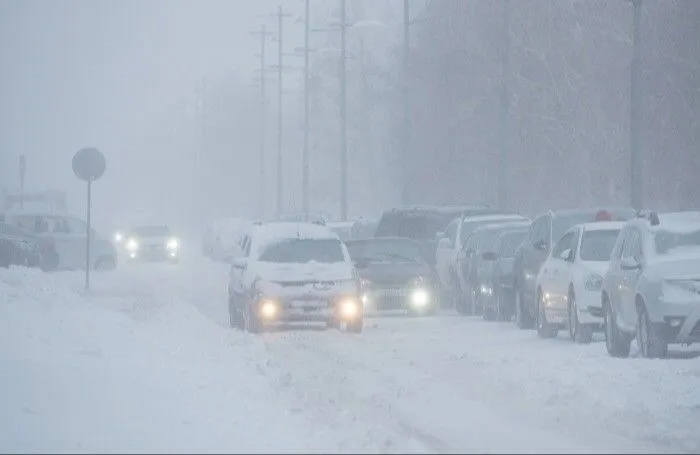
{"x":146,"y":361}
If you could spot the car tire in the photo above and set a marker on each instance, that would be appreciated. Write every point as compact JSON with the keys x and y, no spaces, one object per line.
{"x":105,"y":263}
{"x":234,"y":316}
{"x":616,"y":342}
{"x":579,"y":333}
{"x":252,"y":322}
{"x":503,"y":311}
{"x":544,"y":328}
{"x":458,"y":299}
{"x":522,"y":316}
{"x":354,"y":326}
{"x":651,"y":343}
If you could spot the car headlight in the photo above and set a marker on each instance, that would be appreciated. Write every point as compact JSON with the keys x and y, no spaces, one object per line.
{"x":594,"y":282}
{"x":172,"y":244}
{"x":132,"y":245}
{"x":349,"y":308}
{"x":118,"y":237}
{"x":268,"y":308}
{"x":420,"y":297}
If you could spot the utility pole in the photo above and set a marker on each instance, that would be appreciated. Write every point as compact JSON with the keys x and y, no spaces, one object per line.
{"x":280,"y":68}
{"x":505,"y":107}
{"x":343,"y":117}
{"x":636,"y":152}
{"x":263,"y":34}
{"x":305,"y":157}
{"x":406,"y":107}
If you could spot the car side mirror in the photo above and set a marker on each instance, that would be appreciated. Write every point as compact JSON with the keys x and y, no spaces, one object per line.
{"x":444,"y":243}
{"x":570,"y":256}
{"x":238,"y":263}
{"x":630,"y":263}
{"x":489,"y":256}
{"x":540,"y":245}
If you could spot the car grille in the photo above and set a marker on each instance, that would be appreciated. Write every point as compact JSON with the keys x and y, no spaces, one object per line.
{"x":388,"y":298}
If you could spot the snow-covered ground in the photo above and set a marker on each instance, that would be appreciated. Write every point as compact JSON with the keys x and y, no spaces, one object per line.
{"x":145,"y":361}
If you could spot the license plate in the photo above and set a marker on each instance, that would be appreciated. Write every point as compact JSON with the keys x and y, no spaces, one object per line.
{"x":313,"y":304}
{"x":392,"y":293}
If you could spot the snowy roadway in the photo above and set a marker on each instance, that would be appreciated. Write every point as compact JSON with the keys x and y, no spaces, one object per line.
{"x":145,"y":362}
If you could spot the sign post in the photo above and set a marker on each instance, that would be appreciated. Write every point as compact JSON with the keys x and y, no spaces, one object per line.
{"x":88,"y":165}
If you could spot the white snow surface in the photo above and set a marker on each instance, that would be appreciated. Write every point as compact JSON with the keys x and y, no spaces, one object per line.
{"x":145,"y":362}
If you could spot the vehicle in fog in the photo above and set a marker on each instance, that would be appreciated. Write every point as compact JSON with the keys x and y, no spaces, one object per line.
{"x":570,"y":280}
{"x":651,"y":290}
{"x":472,"y":266}
{"x":153,"y":244}
{"x":68,"y":236}
{"x":498,"y":285}
{"x":221,"y":239}
{"x":423,"y":223}
{"x":451,"y":242}
{"x":293,"y":272}
{"x":20,"y":247}
{"x":395,"y":275}
{"x":546,"y":230}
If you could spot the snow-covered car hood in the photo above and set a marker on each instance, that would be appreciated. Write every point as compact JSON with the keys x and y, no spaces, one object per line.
{"x":394,"y":272}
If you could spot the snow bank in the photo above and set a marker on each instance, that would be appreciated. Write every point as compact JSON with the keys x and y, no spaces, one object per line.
{"x":101,"y":371}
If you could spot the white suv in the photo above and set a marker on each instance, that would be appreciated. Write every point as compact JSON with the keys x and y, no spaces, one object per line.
{"x":293,"y":272}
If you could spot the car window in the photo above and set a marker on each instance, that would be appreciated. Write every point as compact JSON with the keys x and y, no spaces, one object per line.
{"x":539,"y":229}
{"x":598,"y":245}
{"x":471,"y":243}
{"x":665,"y":242}
{"x":508,"y":243}
{"x":629,"y":242}
{"x":636,"y":249}
{"x":385,"y":250}
{"x":302,"y":251}
{"x":563,"y":244}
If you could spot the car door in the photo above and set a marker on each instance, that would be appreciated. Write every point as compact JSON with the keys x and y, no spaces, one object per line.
{"x":465,"y":260}
{"x":444,"y":253}
{"x":630,"y":278}
{"x":237,"y":271}
{"x":561,"y":268}
{"x":613,"y":277}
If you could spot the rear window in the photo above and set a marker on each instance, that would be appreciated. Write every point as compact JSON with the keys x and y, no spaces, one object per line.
{"x":301,"y":251}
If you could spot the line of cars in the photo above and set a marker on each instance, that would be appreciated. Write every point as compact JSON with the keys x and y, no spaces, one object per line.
{"x":627,"y":273}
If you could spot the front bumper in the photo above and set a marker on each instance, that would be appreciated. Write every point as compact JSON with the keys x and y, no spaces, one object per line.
{"x":306,"y":308}
{"x":590,"y":307}
{"x":399,"y":298}
{"x":153,"y":253}
{"x":678,"y":322}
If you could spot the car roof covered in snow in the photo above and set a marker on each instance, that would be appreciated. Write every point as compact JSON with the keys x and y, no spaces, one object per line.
{"x":677,"y":222}
{"x":270,"y":232}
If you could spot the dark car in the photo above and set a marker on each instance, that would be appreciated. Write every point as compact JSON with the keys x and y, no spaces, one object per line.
{"x":423,"y":223}
{"x":545,"y":231}
{"x":20,"y":247}
{"x":395,"y":275}
{"x":471,"y":264}
{"x":497,"y":287}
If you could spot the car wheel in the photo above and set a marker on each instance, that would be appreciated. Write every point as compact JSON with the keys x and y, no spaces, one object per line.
{"x":252,"y":322}
{"x":234,"y":316}
{"x":354,"y":326}
{"x":544,"y":328}
{"x":105,"y":263}
{"x":579,"y":333}
{"x":522,"y":317}
{"x":650,"y":341}
{"x":616,"y":342}
{"x":503,"y":310}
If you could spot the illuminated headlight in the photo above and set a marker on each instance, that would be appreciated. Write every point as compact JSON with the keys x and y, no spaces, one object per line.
{"x":172,"y":244}
{"x":486,"y":290}
{"x":349,"y":308}
{"x":268,"y":309}
{"x":132,"y":245}
{"x":420,"y":297}
{"x":118,"y":237}
{"x":594,"y":282}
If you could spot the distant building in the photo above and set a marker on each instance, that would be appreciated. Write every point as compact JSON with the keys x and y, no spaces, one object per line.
{"x":48,"y":200}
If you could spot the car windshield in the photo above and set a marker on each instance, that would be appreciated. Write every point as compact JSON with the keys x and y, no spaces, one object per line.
{"x":301,"y":251}
{"x":667,"y":242}
{"x":511,"y":242}
{"x":397,"y":251}
{"x":469,"y":226}
{"x":151,"y":231}
{"x":419,"y":225}
{"x":598,"y":245}
{"x":563,"y":223}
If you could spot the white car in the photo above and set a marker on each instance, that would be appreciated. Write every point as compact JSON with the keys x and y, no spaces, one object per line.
{"x":152,"y":243}
{"x":570,"y":280}
{"x":651,"y":291}
{"x":293,"y":272}
{"x":220,"y":241}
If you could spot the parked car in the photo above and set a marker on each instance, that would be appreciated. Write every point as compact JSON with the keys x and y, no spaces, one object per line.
{"x":69,"y":236}
{"x":220,"y":240}
{"x":545,"y":231}
{"x":498,"y":285}
{"x":423,"y":223}
{"x":472,"y":265}
{"x":651,"y":290}
{"x":342,"y":228}
{"x":395,"y":275}
{"x":570,"y":280}
{"x":293,"y":272}
{"x":451,"y":242}
{"x":20,"y":247}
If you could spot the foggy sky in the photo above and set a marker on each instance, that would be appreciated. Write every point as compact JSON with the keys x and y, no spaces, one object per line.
{"x":113,"y":75}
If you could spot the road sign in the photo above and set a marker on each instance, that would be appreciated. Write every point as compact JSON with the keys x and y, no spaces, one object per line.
{"x":88,"y":165}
